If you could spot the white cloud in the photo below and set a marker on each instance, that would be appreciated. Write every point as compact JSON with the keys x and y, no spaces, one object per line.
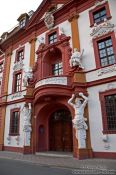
{"x":10,"y":10}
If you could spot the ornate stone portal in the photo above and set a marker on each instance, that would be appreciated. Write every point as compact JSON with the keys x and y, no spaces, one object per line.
{"x":76,"y":59}
{"x":26,"y":111}
{"x":79,"y":120}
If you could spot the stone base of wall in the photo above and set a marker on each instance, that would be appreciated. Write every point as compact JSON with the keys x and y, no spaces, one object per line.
{"x":13,"y":149}
{"x":1,"y":147}
{"x":106,"y":155}
{"x":27,"y":150}
{"x":85,"y":154}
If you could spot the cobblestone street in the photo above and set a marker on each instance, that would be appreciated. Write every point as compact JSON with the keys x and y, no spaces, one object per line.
{"x":64,"y":162}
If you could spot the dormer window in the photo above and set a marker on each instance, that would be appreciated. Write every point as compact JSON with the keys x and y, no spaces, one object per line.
{"x":23,"y":18}
{"x":30,"y":13}
{"x":22,"y":22}
{"x":4,"y":36}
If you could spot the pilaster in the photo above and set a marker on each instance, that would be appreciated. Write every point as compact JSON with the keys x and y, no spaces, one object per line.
{"x":32,"y":52}
{"x":73,"y":19}
{"x":4,"y":93}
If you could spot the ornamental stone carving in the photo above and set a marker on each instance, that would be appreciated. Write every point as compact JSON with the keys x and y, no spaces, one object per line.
{"x":16,"y":95}
{"x":107,"y":70}
{"x":53,"y":80}
{"x":49,"y":20}
{"x":105,"y":140}
{"x":41,"y":40}
{"x":26,"y":111}
{"x":18,"y":65}
{"x":9,"y":140}
{"x":98,"y":3}
{"x":62,"y":31}
{"x":76,"y":59}
{"x":28,"y":74}
{"x":102,"y":29}
{"x":79,"y":120}
{"x":17,"y":140}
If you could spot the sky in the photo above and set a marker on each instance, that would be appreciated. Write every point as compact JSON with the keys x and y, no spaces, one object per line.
{"x":10,"y":10}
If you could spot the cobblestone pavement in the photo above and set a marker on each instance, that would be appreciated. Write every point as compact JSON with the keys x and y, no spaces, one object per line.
{"x":65,"y":162}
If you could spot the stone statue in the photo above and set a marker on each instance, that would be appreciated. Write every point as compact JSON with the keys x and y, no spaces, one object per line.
{"x":41,"y":40}
{"x":62,"y":31}
{"x":28,"y":75}
{"x":76,"y":59}
{"x":27,"y":123}
{"x":79,"y":121}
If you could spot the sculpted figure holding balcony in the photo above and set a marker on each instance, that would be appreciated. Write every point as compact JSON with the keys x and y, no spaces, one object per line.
{"x":79,"y":121}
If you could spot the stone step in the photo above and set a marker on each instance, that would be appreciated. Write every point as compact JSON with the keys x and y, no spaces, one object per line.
{"x":54,"y":154}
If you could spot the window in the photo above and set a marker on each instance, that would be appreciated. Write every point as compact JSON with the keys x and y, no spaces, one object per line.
{"x":22,"y":23}
{"x":108,"y":108}
{"x":57,"y":69}
{"x":19,"y":54}
{"x":1,"y":67}
{"x":105,"y":50}
{"x":106,"y":53}
{"x":110,"y":105}
{"x":17,"y":82}
{"x":52,"y":38}
{"x":98,"y":14}
{"x":14,"y":122}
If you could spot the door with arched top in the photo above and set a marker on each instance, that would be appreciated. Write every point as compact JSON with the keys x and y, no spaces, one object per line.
{"x":60,"y":131}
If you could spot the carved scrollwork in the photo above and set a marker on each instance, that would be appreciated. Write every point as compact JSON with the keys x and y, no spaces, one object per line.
{"x":102,"y":29}
{"x":49,"y":20}
{"x":18,"y":65}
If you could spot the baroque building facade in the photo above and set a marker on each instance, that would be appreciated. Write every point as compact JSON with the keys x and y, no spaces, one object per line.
{"x":65,"y":50}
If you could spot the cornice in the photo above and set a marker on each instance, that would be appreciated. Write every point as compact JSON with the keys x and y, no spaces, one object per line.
{"x":64,"y":13}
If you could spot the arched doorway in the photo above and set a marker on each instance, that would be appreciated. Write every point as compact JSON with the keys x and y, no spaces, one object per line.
{"x":60,"y":131}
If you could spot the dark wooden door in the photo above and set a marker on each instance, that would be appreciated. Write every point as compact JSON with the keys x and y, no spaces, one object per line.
{"x":60,"y":131}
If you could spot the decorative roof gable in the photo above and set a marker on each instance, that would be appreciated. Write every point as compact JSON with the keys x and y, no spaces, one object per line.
{"x":45,"y":6}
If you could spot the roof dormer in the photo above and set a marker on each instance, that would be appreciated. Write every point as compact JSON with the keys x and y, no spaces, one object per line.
{"x":23,"y":18}
{"x":4,"y":36}
{"x":30,"y":13}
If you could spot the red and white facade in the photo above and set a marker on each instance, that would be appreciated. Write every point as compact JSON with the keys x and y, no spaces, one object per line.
{"x":44,"y":41}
